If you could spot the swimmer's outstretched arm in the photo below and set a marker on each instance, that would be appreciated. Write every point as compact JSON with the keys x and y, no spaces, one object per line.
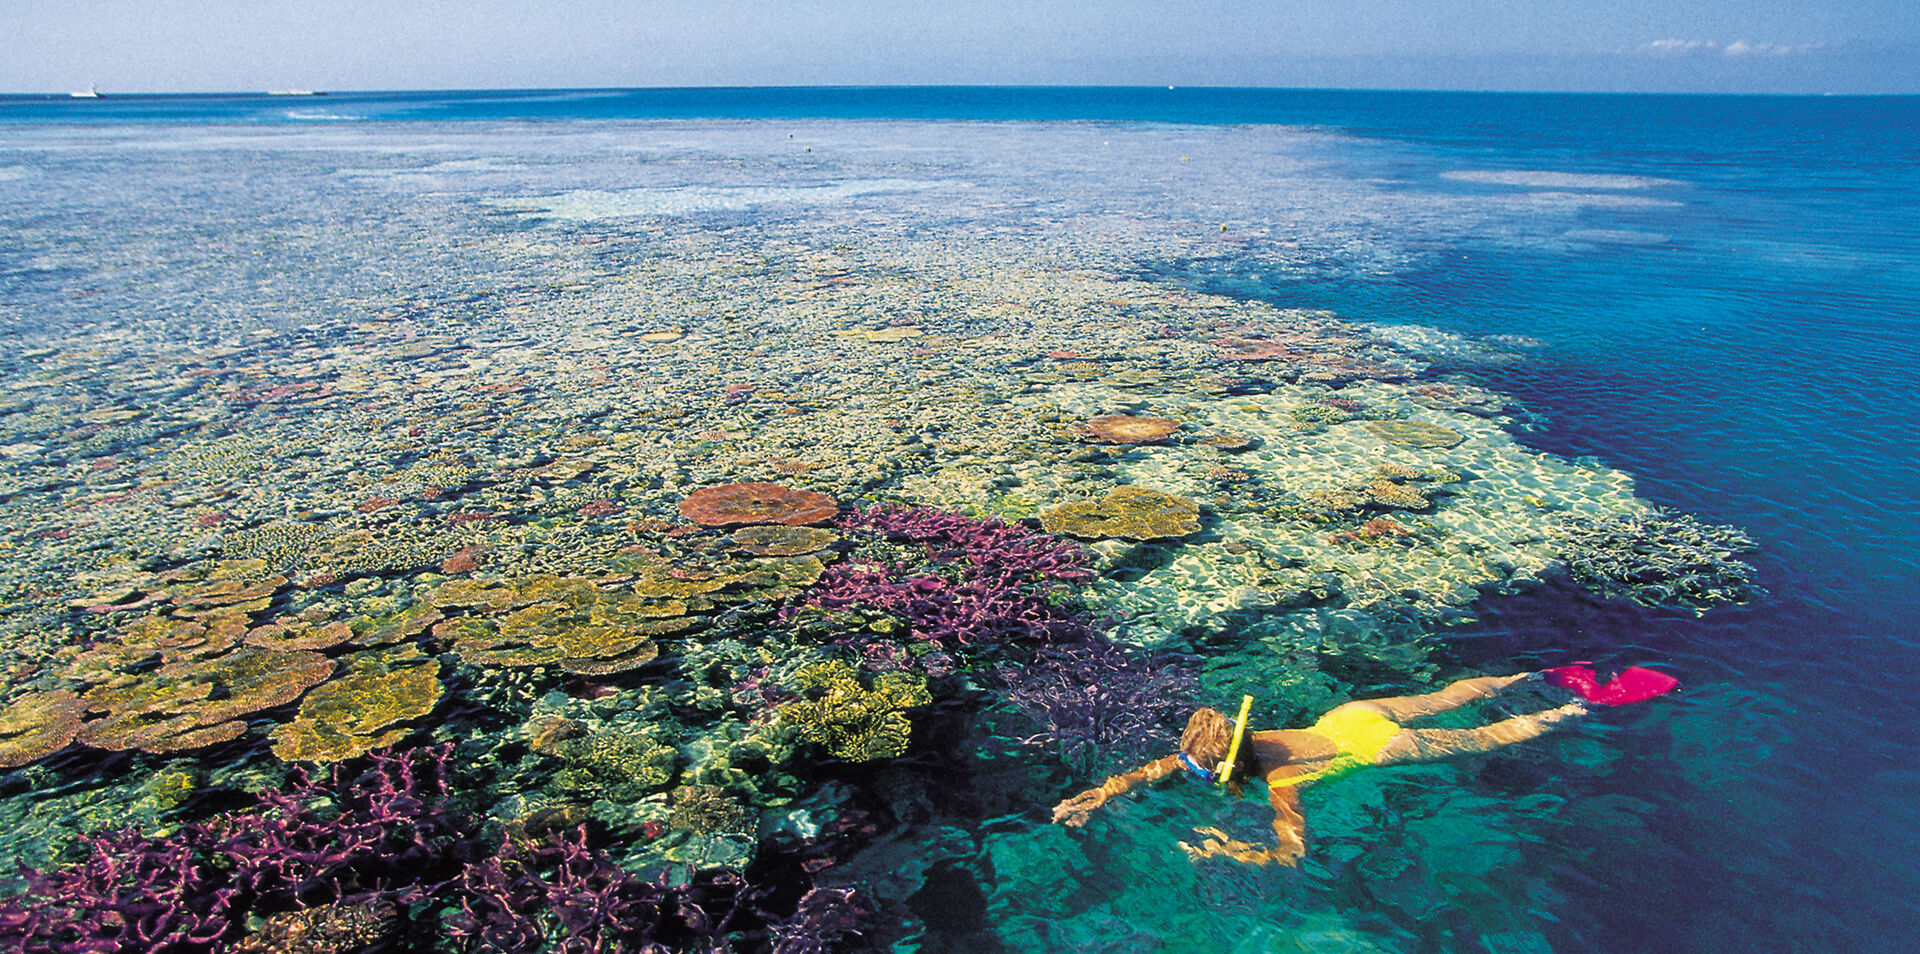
{"x":1074,"y":811}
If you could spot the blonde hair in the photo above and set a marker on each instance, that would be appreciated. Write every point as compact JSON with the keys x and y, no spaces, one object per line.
{"x":1207,"y":738}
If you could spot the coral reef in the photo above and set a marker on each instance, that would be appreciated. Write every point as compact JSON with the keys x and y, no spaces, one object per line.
{"x":1129,"y":513}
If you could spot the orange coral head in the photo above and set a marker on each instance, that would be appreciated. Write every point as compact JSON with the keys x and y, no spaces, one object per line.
{"x":755,"y":502}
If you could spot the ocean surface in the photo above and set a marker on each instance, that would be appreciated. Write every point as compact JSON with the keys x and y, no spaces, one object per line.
{"x":1704,"y":304}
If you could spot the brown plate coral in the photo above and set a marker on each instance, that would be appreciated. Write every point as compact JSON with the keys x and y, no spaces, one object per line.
{"x":1128,"y":429}
{"x":753,"y":502}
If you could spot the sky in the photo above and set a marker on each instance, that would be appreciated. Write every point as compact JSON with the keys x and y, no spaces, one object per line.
{"x":1762,"y":46}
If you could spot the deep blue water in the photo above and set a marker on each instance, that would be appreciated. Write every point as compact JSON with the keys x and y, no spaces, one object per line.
{"x":1750,"y":355}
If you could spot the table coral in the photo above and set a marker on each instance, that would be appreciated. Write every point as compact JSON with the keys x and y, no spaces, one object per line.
{"x":1415,"y":433}
{"x":35,"y":726}
{"x":1128,"y":429}
{"x":195,"y":703}
{"x":368,"y":708}
{"x":570,"y":622}
{"x":1129,"y":513}
{"x":756,"y":502}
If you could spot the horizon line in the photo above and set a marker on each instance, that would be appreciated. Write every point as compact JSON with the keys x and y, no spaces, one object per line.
{"x":93,"y":93}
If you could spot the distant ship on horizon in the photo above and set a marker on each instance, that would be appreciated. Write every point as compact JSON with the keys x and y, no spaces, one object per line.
{"x":88,"y":93}
{"x":294,"y":92}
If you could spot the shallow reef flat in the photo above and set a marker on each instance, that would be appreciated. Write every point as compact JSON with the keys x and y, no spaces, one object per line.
{"x":706,"y":528}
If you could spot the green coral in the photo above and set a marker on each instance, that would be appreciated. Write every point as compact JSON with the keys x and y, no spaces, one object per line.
{"x":623,"y":765}
{"x":707,"y":809}
{"x":851,"y":721}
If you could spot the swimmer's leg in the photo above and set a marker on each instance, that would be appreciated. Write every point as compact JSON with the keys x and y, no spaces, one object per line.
{"x":1432,"y":745}
{"x":1405,"y":708}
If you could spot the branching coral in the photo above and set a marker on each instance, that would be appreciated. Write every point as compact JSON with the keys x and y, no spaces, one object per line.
{"x":1660,"y":558}
{"x":983,"y":579}
{"x":531,"y":895}
{"x":364,"y":837}
{"x":1102,"y":702}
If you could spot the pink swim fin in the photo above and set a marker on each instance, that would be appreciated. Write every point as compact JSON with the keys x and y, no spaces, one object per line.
{"x":1633,"y":684}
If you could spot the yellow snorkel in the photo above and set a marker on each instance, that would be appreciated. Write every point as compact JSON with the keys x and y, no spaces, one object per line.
{"x":1225,"y":771}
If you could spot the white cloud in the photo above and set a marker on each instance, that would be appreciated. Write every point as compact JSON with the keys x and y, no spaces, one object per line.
{"x":1744,"y":48}
{"x":1675,"y":47}
{"x":1678,"y":46}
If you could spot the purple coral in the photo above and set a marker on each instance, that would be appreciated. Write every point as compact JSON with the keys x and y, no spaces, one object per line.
{"x":1102,"y":702}
{"x":984,"y":579}
{"x":381,"y":839}
{"x":366,"y":837}
{"x":532,"y":893}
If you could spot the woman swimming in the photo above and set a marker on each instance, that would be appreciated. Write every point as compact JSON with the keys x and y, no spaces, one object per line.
{"x":1356,"y":735}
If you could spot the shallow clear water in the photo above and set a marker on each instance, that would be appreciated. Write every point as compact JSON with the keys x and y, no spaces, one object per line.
{"x":1718,"y":296}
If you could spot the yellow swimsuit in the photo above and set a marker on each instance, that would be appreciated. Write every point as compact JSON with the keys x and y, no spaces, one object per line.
{"x":1358,"y":734}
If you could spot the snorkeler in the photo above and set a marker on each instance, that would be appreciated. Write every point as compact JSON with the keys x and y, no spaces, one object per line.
{"x":1356,"y":735}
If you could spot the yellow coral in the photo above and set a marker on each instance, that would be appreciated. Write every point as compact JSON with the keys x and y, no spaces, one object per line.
{"x":624,"y":765}
{"x":852,"y":722}
{"x":1131,"y":513}
{"x":362,"y":710}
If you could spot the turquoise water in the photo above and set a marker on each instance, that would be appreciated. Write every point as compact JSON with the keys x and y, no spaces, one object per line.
{"x":1716,"y":295}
